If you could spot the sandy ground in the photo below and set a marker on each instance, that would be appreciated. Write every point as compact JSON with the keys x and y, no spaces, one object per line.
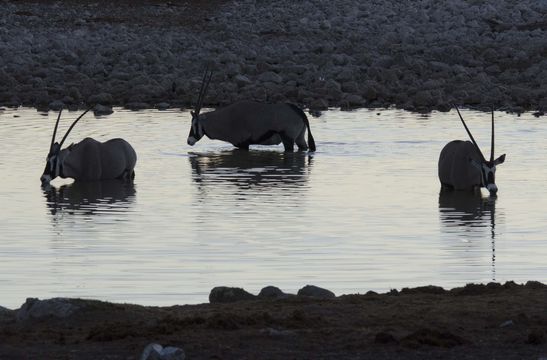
{"x":475,"y":322}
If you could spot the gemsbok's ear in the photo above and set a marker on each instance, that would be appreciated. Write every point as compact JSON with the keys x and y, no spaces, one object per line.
{"x":499,"y":160}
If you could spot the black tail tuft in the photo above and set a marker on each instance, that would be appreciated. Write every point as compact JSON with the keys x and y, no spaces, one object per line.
{"x":311,"y":141}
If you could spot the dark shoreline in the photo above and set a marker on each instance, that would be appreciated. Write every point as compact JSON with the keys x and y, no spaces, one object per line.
{"x":476,"y":321}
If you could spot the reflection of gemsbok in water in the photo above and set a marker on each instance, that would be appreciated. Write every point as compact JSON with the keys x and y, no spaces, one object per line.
{"x":468,"y":215}
{"x":90,"y":198}
{"x":256,"y":171}
{"x":467,"y":209}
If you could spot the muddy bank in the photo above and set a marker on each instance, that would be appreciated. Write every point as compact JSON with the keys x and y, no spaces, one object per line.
{"x":477,"y":321}
{"x":417,"y":55}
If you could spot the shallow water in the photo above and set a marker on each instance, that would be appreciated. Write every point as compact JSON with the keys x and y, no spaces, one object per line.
{"x":362,"y":213}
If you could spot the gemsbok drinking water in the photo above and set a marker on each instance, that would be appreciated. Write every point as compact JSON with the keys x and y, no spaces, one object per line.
{"x":462,"y":166}
{"x":89,"y":160}
{"x":246,"y":123}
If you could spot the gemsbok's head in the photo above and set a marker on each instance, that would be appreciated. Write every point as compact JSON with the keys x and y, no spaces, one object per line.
{"x":56,"y":156}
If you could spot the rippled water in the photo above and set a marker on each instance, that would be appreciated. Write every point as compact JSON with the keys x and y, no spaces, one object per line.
{"x":364,"y":212}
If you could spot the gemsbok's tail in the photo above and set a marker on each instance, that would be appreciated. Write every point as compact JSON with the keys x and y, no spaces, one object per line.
{"x":311,"y":141}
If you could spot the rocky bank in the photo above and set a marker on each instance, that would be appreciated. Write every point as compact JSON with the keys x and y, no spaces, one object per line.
{"x":418,"y":55}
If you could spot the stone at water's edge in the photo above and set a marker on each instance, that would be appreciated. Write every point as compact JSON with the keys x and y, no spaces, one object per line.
{"x":162,"y":106}
{"x":102,"y":110}
{"x":316,"y":292}
{"x":272,"y":292}
{"x":34,"y":308}
{"x":224,"y":294}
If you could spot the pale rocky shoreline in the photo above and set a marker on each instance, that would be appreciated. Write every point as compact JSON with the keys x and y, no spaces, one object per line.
{"x":417,"y":55}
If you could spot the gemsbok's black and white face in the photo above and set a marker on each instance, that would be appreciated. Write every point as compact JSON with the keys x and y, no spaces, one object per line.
{"x":51,"y":170}
{"x":196,"y":130}
{"x":488,"y":171}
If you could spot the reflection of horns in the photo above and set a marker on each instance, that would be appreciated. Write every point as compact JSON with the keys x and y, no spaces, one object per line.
{"x":204,"y":85}
{"x":55,"y":130}
{"x":492,"y":143}
{"x":469,"y":132}
{"x":71,"y":126}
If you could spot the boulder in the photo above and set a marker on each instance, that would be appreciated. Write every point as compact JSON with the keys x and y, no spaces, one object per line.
{"x":316,"y":292}
{"x":34,"y":308}
{"x":224,"y":294}
{"x":102,"y":110}
{"x":272,"y":292}
{"x":162,"y":106}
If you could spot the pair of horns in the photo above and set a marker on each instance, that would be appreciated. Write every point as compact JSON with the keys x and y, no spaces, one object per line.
{"x":69,"y":129}
{"x":473,"y":139}
{"x":207,"y":75}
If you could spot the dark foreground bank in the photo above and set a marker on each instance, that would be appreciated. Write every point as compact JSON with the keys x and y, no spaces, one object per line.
{"x":474,"y":322}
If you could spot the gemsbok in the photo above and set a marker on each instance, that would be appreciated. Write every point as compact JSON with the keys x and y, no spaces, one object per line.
{"x":462,"y":166}
{"x":89,"y":160}
{"x":246,"y":123}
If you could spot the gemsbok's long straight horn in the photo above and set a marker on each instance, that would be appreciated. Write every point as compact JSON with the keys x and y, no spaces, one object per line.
{"x":469,"y":133}
{"x":55,"y":129}
{"x":72,"y":126}
{"x":492,"y":142}
{"x":204,"y":85}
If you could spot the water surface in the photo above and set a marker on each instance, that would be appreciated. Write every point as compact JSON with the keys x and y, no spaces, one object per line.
{"x":362,"y":213}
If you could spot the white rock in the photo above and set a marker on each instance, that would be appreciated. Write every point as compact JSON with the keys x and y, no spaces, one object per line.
{"x":151,"y":352}
{"x":155,"y":351}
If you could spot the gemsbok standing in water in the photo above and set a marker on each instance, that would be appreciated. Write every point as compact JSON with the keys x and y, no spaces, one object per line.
{"x":462,"y":166}
{"x":246,"y":123}
{"x":89,"y":160}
